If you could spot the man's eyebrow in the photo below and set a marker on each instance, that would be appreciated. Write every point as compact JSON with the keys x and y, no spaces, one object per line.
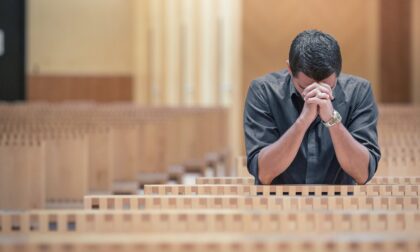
{"x":302,"y":87}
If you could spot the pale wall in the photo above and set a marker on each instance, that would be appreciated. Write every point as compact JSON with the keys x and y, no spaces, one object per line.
{"x":79,"y":37}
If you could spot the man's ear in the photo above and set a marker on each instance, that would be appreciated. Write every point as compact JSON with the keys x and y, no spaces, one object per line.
{"x":288,"y":67}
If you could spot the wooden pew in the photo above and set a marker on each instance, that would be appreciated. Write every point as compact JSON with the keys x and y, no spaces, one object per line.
{"x":241,"y":168}
{"x":224,"y":181}
{"x":250,"y":181}
{"x":112,"y":148}
{"x":285,"y":190}
{"x":67,"y":170}
{"x":207,"y":221}
{"x":83,"y":155}
{"x":154,"y":141}
{"x":391,"y":180}
{"x":22,"y":172}
{"x":127,"y":202}
{"x":400,"y":159}
{"x":126,"y":159}
{"x":101,"y":159}
{"x":388,"y":242}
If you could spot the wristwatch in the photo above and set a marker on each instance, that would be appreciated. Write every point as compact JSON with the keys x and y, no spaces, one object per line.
{"x":336,"y":118}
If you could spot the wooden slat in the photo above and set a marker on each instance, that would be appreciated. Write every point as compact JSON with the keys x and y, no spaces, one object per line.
{"x":285,"y":190}
{"x":250,"y":202}
{"x":208,"y":221}
{"x":59,"y":88}
{"x":250,"y":181}
{"x":214,"y":242}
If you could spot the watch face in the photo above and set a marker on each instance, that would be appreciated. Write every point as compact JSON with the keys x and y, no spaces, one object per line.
{"x":334,"y":120}
{"x":337,"y":117}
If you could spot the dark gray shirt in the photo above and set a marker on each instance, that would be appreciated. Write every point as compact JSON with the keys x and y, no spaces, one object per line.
{"x":273,"y":105}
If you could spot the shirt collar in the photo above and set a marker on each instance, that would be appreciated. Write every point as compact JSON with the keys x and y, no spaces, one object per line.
{"x":338,"y":93}
{"x":292,"y":89}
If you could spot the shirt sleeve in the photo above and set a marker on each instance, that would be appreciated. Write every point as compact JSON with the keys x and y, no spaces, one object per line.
{"x":362,"y":126}
{"x":259,"y":127}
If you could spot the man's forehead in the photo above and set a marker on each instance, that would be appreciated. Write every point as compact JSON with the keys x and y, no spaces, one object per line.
{"x":305,"y":80}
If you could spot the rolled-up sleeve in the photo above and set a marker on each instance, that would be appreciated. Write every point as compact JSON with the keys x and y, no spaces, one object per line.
{"x":362,"y":126}
{"x":259,"y":127}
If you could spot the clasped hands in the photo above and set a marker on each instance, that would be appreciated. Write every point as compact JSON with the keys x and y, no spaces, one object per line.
{"x":318,"y":97}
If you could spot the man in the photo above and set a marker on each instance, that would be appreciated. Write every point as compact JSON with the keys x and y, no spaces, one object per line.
{"x":309,"y":124}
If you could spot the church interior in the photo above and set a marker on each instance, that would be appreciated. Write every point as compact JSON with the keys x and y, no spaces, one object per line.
{"x":121,"y":126}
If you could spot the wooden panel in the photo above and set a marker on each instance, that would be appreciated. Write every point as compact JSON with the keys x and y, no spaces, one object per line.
{"x":415,"y":47}
{"x":395,"y":51}
{"x":157,"y":56}
{"x":188,"y":51}
{"x":55,"y":88}
{"x":209,"y":76}
{"x":141,"y":52}
{"x":66,"y":168}
{"x":126,"y":152}
{"x":22,"y":173}
{"x":101,"y":159}
{"x":197,"y":51}
{"x":172,"y":29}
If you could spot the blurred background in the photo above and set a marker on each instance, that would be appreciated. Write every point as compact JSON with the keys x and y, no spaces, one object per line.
{"x":195,"y":52}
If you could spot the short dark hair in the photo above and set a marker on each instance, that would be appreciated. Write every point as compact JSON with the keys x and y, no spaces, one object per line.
{"x":316,"y":54}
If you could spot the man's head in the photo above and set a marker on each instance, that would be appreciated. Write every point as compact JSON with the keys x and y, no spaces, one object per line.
{"x":314,"y":56}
